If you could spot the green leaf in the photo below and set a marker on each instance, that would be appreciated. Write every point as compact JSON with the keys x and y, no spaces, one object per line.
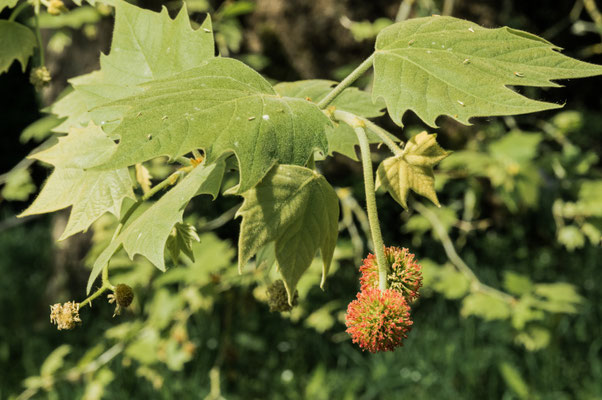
{"x":146,"y":46}
{"x":7,"y":3}
{"x":297,"y":209}
{"x":40,"y":129}
{"x":514,"y":380}
{"x":147,"y":234}
{"x":413,"y":169}
{"x":559,"y":297}
{"x":55,"y":360}
{"x":517,"y":284}
{"x":91,"y":193}
{"x":18,"y":42}
{"x":516,"y":146}
{"x":222,"y":106}
{"x":447,"y":66}
{"x":342,"y":138}
{"x":571,"y":237}
{"x":180,"y":240}
{"x":485,"y":306}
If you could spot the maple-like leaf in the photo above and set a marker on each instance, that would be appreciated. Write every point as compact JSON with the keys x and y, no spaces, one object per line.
{"x":298,"y":210}
{"x":91,"y":193}
{"x":447,"y":66}
{"x":149,"y":231}
{"x":146,"y":46}
{"x":7,"y":3}
{"x":412,"y":169}
{"x":18,"y":42}
{"x":222,"y":106}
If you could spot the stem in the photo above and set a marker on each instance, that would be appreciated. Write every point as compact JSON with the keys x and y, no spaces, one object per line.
{"x":352,"y":77}
{"x":377,"y":239}
{"x":39,"y":39}
{"x":385,"y":136}
{"x":453,"y":256}
{"x":105,"y":285}
{"x":17,"y":11}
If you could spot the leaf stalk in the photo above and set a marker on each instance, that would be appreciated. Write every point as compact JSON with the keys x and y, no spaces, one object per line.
{"x":377,"y":238}
{"x":345,"y":83}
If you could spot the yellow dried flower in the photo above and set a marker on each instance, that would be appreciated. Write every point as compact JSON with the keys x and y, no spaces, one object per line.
{"x":55,"y":7}
{"x":39,"y":77}
{"x":65,"y":316}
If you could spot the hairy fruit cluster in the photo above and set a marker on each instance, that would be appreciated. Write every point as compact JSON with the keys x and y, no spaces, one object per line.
{"x":380,"y":320}
{"x":404,"y":276}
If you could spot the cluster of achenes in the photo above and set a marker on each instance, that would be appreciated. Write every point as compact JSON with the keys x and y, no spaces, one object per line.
{"x":379,"y":320}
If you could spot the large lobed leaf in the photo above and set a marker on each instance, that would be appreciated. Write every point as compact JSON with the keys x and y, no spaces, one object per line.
{"x":222,"y":106}
{"x":447,"y":66}
{"x":298,"y":210}
{"x":148,"y":232}
{"x":90,"y":193}
{"x":146,"y":45}
{"x":18,"y":42}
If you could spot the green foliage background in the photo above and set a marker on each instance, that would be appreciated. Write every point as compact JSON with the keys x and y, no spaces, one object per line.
{"x":522,"y":201}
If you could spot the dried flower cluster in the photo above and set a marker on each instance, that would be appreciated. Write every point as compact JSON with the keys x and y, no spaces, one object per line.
{"x":40,"y":77}
{"x":380,"y":320}
{"x":65,"y":316}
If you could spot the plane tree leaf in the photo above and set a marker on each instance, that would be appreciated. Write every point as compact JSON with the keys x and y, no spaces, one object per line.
{"x":413,"y":169}
{"x":298,"y":210}
{"x":7,"y":3}
{"x":146,"y":46}
{"x":148,"y":233}
{"x":447,"y":66}
{"x":18,"y":42}
{"x":90,"y":193}
{"x":341,"y":138}
{"x":222,"y":106}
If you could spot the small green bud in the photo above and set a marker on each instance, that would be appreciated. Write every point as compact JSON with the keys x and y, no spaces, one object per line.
{"x":124,"y":295}
{"x":278,"y":298}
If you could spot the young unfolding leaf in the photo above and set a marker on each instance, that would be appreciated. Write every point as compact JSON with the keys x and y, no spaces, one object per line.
{"x":147,"y":234}
{"x":341,"y":138}
{"x":297,"y":209}
{"x":448,"y":66}
{"x":90,"y":193}
{"x":18,"y":42}
{"x":146,"y":45}
{"x":413,"y":169}
{"x":180,"y":240}
{"x":222,"y":106}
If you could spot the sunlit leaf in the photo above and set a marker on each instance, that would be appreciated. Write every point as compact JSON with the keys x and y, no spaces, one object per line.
{"x":447,"y":66}
{"x":413,"y":169}
{"x":90,"y":193}
{"x":222,"y":106}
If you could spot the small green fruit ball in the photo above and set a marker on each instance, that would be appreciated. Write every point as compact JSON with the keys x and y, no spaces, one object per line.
{"x":124,"y":295}
{"x":278,"y":298}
